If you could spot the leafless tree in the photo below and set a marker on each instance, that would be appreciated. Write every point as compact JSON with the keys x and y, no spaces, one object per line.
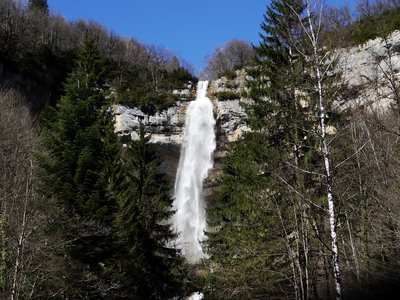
{"x":371,"y":8}
{"x":365,"y":8}
{"x":235,"y":54}
{"x":321,"y":65}
{"x":159,"y":60}
{"x":337,"y":17}
{"x":16,"y":193}
{"x":27,"y":257}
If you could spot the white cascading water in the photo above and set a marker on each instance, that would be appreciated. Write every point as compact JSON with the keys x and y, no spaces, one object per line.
{"x":195,"y":162}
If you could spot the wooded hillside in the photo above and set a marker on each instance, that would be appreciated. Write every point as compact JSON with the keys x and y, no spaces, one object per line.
{"x":307,"y":202}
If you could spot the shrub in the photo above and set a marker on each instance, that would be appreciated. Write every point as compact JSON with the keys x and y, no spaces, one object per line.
{"x":230,"y":74}
{"x":227,"y":95}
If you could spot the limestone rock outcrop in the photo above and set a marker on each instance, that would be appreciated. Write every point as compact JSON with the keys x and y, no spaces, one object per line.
{"x":230,"y":113}
{"x":235,"y":84}
{"x":368,"y":70}
{"x":365,"y":68}
{"x":165,"y":126}
{"x":231,"y":119}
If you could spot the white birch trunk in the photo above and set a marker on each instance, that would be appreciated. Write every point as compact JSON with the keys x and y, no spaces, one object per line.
{"x":18,"y":259}
{"x":21,"y":240}
{"x":329,"y":179}
{"x":312,"y":28}
{"x":318,"y":65}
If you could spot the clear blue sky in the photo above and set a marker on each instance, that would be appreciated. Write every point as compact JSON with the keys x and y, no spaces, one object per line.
{"x":189,"y":28}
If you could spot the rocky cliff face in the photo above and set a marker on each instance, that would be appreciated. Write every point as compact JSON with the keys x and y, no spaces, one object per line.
{"x":167,"y":126}
{"x":370,"y":70}
{"x":230,"y":113}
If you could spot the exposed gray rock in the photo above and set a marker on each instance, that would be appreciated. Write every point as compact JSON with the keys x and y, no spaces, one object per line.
{"x":231,"y":119}
{"x":236,"y":85}
{"x":165,"y":126}
{"x":366,"y":67}
{"x":186,"y":94}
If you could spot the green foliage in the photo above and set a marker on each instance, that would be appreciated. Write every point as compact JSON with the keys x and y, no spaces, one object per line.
{"x":246,"y":239}
{"x":227,"y":95}
{"x":140,"y":91}
{"x":178,"y":79}
{"x":147,"y":99}
{"x":73,"y":171}
{"x":74,"y":133}
{"x":44,"y":55}
{"x":40,"y":5}
{"x":379,"y":25}
{"x":114,"y":204}
{"x":230,"y":74}
{"x":259,"y":224}
{"x":279,"y":70}
{"x":149,"y":268}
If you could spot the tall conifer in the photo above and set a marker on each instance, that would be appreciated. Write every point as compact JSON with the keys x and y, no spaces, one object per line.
{"x":149,"y":268}
{"x":78,"y":137}
{"x":40,"y":5}
{"x":282,"y":154}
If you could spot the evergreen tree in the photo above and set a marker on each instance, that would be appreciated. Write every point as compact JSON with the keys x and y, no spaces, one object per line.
{"x":149,"y":268}
{"x":279,"y":71}
{"x":283,"y":189}
{"x":79,"y":142}
{"x":246,"y":242}
{"x":39,"y":5}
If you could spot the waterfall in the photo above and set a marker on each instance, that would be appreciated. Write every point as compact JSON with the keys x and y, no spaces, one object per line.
{"x":194,"y":163}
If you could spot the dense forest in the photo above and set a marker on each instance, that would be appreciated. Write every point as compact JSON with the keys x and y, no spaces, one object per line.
{"x":306,"y":206}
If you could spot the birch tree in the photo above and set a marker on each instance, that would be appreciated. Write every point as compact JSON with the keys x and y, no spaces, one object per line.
{"x":284,"y":180}
{"x":19,"y":216}
{"x":321,"y":64}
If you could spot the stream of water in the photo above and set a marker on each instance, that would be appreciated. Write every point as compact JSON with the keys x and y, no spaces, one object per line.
{"x":195,"y":162}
